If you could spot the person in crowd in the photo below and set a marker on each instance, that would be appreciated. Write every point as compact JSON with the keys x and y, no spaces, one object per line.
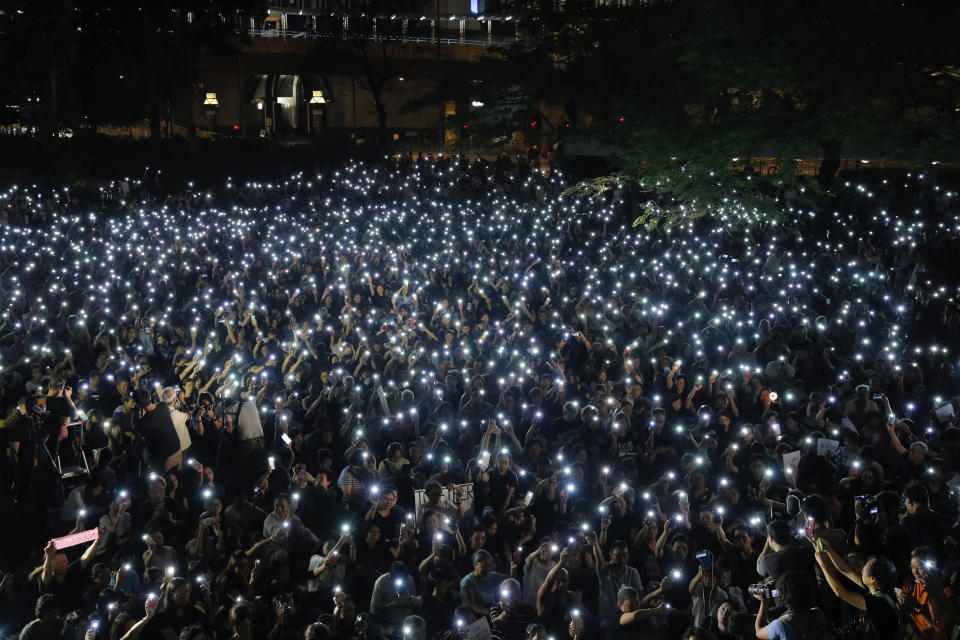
{"x":586,"y":428}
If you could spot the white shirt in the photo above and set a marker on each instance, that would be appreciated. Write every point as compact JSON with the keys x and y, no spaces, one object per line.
{"x":180,"y":424}
{"x":248,"y":421}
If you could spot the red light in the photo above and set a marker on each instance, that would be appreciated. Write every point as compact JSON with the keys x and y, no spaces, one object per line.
{"x":534,"y":123}
{"x":466,"y":126}
{"x":236,"y":127}
{"x":567,"y":125}
{"x":621,"y":118}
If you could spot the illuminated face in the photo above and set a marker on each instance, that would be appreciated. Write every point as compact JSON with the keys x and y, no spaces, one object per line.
{"x":484,"y":566}
{"x":387,"y":500}
{"x":723,"y":613}
{"x":60,"y":564}
{"x":632,"y":603}
{"x":181,"y":595}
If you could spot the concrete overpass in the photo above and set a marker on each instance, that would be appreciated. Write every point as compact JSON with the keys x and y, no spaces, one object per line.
{"x":268,"y":87}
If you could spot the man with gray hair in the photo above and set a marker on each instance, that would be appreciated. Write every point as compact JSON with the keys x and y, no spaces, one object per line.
{"x":510,"y":615}
{"x":179,"y":418}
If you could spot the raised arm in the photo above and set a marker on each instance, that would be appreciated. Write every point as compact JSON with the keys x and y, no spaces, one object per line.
{"x":548,"y":583}
{"x":833,"y":580}
{"x":895,"y":439}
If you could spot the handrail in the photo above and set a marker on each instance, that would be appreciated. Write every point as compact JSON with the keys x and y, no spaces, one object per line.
{"x":316,"y":35}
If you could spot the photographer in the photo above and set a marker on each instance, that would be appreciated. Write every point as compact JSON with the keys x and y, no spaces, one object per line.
{"x":781,"y":554}
{"x":800,"y":621}
{"x":155,"y":426}
{"x":873,"y":516}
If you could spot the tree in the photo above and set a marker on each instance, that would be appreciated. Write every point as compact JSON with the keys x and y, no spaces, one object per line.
{"x":377,"y":66}
{"x":690,"y":91}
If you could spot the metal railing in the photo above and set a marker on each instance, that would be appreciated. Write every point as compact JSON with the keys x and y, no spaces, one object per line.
{"x":287,"y":34}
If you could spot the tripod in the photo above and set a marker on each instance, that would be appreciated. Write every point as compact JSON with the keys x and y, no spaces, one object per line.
{"x":82,"y":469}
{"x":39,"y":437}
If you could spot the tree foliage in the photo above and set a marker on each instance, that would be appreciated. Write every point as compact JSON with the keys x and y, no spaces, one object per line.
{"x":690,"y":92}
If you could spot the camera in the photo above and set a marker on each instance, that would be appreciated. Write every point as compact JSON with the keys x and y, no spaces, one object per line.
{"x":706,"y":560}
{"x":766,"y":590}
{"x":869,"y":503}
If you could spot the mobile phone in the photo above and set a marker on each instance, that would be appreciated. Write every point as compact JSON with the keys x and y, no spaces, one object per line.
{"x":517,"y":555}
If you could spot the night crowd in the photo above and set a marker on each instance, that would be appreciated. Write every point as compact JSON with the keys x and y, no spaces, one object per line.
{"x":428,"y":398}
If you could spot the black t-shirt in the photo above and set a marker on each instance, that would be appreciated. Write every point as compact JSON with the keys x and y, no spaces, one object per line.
{"x":389,"y":524}
{"x":882,"y":616}
{"x":177,"y":621}
{"x":499,"y":485}
{"x":68,"y":593}
{"x":19,"y":431}
{"x":58,"y":406}
{"x":546,"y":511}
{"x":161,"y":437}
{"x":621,"y":527}
{"x":793,"y":559}
{"x":147,"y":510}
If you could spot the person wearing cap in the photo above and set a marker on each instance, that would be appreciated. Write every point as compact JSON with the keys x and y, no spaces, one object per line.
{"x":162,"y":446}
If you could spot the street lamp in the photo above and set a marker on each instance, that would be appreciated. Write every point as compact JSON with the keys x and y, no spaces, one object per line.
{"x":262,"y":117}
{"x":211,"y":103}
{"x":318,"y":112}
